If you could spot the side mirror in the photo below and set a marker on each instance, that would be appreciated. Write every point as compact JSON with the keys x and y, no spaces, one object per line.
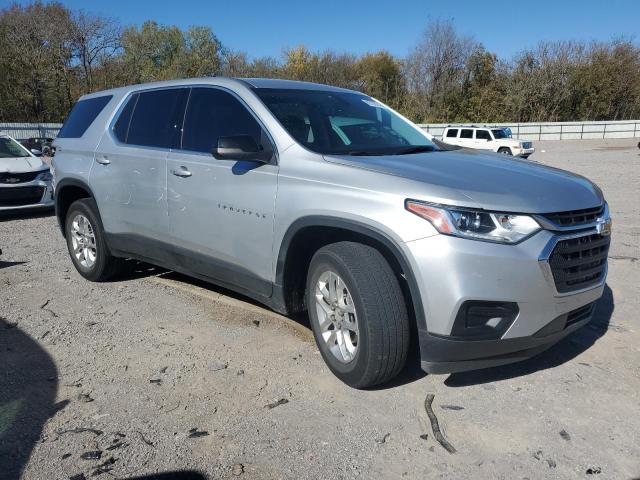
{"x":36,"y":152}
{"x":241,"y":147}
{"x":488,"y":139}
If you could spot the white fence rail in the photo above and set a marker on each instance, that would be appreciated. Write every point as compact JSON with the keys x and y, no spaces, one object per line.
{"x":22,"y":131}
{"x":556,"y":130}
{"x":529,"y":131}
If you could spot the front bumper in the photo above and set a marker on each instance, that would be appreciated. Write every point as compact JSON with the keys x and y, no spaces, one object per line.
{"x":16,"y":197}
{"x":451,"y":270}
{"x":523,"y":152}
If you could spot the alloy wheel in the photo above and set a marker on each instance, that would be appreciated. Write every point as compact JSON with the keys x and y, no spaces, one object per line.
{"x":337,"y":316}
{"x":83,"y":241}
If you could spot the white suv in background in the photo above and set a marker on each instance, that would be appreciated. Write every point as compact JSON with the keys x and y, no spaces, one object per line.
{"x":485,"y":138}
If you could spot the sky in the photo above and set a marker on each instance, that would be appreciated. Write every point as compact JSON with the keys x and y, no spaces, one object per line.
{"x":266,"y":27}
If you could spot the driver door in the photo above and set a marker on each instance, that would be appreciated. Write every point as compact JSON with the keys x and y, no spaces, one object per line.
{"x":483,"y":140}
{"x":221,"y":212}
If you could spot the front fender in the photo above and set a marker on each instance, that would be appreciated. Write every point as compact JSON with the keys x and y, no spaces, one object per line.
{"x":379,"y":234}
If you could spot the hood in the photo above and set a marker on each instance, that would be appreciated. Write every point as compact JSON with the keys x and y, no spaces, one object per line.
{"x":21,"y":165}
{"x":513,"y":141}
{"x":490,"y":181}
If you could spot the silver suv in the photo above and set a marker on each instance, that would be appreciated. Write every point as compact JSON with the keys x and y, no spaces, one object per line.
{"x":312,"y":198}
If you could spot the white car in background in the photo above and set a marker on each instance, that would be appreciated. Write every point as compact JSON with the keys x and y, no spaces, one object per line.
{"x":485,"y":138}
{"x":25,"y":180}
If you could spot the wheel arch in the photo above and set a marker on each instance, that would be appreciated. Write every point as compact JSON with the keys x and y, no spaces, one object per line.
{"x":67,"y":191}
{"x":303,"y":238}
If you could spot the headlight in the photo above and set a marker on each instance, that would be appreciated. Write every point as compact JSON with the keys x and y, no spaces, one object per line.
{"x":475,"y":224}
{"x":45,"y":176}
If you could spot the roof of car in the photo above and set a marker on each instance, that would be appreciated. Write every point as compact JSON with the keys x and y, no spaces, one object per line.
{"x":289,"y":84}
{"x":222,"y":81}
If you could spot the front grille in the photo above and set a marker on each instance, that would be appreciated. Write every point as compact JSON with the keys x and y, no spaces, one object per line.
{"x":575,"y":218}
{"x":10,"y":178}
{"x":526,"y":144}
{"x":579,"y":314}
{"x":16,"y":197}
{"x":578,"y":263}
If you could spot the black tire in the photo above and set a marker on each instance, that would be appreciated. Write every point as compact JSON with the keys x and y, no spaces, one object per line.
{"x":382,"y":319}
{"x":505,"y":151}
{"x":105,"y":265}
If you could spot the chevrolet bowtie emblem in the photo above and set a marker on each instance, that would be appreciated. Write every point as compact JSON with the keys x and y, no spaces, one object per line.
{"x":12,"y":180}
{"x":603,"y":226}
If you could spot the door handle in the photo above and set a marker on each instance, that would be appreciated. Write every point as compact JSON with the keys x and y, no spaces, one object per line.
{"x":182,"y":172}
{"x":103,"y":160}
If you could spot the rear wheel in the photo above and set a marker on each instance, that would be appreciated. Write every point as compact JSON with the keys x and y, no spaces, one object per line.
{"x":357,"y":313}
{"x":86,"y":244}
{"x":505,"y":151}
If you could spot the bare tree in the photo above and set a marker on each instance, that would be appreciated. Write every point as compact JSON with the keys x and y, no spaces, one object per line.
{"x":436,"y":65}
{"x":94,"y":40}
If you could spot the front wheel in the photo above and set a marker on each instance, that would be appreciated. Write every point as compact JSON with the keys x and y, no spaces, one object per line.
{"x":505,"y":151}
{"x":357,"y":313}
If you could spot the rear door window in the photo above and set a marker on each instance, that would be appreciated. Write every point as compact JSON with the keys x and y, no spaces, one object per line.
{"x":82,"y":116}
{"x":466,"y":133}
{"x":452,"y":133}
{"x":213,"y":113}
{"x":157,"y":118}
{"x":483,"y":135}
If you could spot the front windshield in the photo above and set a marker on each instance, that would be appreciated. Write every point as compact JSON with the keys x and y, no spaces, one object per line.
{"x":9,"y":148}
{"x":499,"y":133}
{"x":330,"y":122}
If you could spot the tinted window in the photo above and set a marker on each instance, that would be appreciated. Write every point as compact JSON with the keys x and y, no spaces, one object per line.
{"x":483,"y":135}
{"x":214,"y":113}
{"x":157,"y":118}
{"x":121,"y":128}
{"x":82,"y":115}
{"x":499,"y":133}
{"x":464,"y":133}
{"x":452,"y":133}
{"x":335,"y":122}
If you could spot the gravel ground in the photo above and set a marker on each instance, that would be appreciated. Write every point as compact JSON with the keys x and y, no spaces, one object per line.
{"x":171,"y":375}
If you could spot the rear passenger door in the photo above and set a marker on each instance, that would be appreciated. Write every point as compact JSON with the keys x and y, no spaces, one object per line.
{"x":129,"y":174}
{"x":221,"y":212}
{"x":466,"y":138}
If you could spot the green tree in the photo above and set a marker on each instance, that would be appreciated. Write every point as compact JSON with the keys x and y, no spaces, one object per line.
{"x":379,"y":75}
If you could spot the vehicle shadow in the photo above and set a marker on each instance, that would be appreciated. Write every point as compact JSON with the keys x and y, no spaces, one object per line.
{"x":9,"y":216}
{"x":134,"y":269}
{"x":28,"y":386}
{"x":9,"y":264}
{"x":300,"y":318}
{"x":565,"y":350}
{"x":177,"y":475}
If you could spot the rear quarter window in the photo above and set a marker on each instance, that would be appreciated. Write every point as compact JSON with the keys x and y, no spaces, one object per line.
{"x":82,"y":116}
{"x":452,"y":133}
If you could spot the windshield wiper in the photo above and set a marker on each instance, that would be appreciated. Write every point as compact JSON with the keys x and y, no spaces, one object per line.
{"x":415,"y":149}
{"x":364,"y":153}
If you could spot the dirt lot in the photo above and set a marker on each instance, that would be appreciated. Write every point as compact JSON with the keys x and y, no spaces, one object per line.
{"x":166,"y":374}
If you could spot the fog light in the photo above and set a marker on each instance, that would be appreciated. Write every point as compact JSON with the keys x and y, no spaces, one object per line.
{"x":484,"y":320}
